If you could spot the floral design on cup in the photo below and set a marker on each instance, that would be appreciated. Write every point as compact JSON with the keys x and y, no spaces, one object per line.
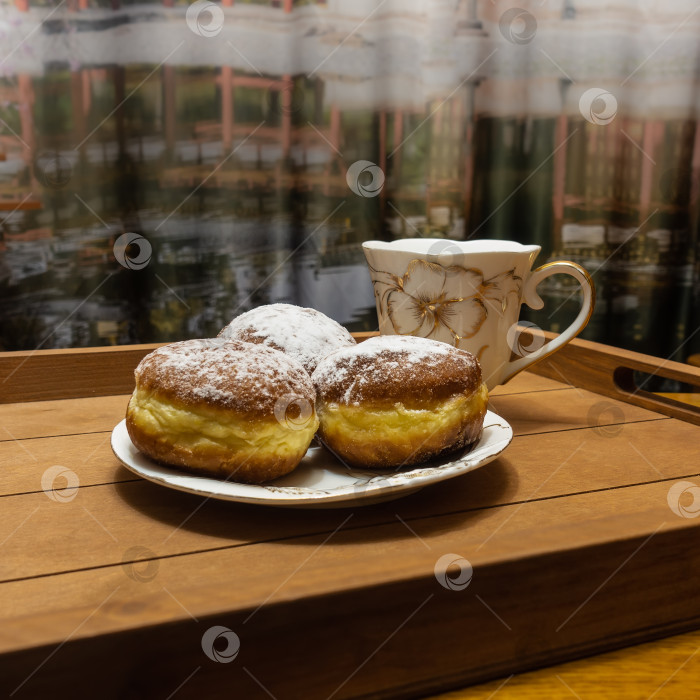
{"x":417,"y":302}
{"x":469,"y":294}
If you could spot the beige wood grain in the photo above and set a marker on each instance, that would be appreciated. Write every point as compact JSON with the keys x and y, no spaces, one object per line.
{"x":564,"y":409}
{"x":666,"y":669}
{"x":688,"y":397}
{"x":22,"y":462}
{"x":63,"y":417}
{"x":526,"y":382}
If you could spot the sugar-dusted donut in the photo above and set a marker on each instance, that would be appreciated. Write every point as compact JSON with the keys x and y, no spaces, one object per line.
{"x":398,"y":400}
{"x":228,"y":409}
{"x":305,"y":334}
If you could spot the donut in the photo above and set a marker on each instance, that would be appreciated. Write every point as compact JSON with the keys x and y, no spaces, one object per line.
{"x":398,"y":400}
{"x":305,"y":334}
{"x":222,"y":408}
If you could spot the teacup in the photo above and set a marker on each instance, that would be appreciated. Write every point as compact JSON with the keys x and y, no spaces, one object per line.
{"x":468,"y":294}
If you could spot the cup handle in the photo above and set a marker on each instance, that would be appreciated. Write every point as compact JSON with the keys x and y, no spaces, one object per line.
{"x":534,"y":301}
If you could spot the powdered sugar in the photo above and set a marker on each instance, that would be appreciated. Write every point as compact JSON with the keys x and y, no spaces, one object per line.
{"x":305,"y":334}
{"x":225,"y":373}
{"x":411,"y":348}
{"x":394,"y":366}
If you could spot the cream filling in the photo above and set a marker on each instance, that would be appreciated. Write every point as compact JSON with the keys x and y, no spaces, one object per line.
{"x":214,"y":429}
{"x":398,"y":423}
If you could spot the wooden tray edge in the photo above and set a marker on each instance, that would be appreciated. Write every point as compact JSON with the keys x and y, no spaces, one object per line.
{"x":609,"y":371}
{"x":43,"y":375}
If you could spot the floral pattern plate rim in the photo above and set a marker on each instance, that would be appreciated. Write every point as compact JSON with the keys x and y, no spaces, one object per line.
{"x":321,"y":481}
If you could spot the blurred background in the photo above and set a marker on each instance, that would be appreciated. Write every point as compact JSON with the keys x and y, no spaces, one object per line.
{"x":165,"y":166}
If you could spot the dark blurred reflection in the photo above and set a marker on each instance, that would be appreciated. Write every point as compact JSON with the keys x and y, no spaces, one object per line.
{"x":163,"y":169}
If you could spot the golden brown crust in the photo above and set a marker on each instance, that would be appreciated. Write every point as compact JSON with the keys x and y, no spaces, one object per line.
{"x":386,"y":369}
{"x":232,"y":374}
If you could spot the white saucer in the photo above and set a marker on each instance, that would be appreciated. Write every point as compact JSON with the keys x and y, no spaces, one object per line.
{"x":321,"y":480}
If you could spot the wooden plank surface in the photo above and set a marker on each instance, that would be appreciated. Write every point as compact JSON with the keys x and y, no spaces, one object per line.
{"x":101,"y":522}
{"x":493,"y":536}
{"x":500,"y":615}
{"x":573,"y":545}
{"x":90,"y":456}
{"x":62,"y":417}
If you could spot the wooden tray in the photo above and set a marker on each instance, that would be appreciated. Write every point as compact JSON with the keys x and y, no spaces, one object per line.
{"x":116,"y":584}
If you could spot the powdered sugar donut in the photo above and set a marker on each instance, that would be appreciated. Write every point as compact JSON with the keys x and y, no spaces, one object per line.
{"x":229,"y":409}
{"x":305,"y":334}
{"x":399,"y":400}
